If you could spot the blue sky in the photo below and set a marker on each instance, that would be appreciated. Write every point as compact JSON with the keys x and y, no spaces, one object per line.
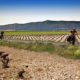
{"x":24,"y":11}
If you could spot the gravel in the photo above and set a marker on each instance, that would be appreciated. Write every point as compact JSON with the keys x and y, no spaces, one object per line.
{"x":41,"y":66}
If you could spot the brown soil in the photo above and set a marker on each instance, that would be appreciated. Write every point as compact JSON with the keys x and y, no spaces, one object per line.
{"x":41,"y":66}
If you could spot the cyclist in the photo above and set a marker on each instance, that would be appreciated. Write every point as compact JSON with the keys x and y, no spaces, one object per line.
{"x":72,"y":35}
{"x":2,"y":32}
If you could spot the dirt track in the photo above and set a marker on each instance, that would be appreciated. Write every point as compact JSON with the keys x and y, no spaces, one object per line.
{"x":41,"y":66}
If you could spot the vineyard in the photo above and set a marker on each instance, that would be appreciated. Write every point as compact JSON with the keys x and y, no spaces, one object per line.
{"x":33,"y":58}
{"x":54,"y":38}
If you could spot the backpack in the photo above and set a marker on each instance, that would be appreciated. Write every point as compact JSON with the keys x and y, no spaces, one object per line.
{"x":2,"y":33}
{"x":68,"y":38}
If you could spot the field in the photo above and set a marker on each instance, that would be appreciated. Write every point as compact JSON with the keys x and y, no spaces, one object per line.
{"x":40,"y":61}
{"x":35,"y":32}
{"x":41,"y":65}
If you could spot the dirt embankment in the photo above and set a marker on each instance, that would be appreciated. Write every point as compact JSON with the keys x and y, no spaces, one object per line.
{"x":41,"y":66}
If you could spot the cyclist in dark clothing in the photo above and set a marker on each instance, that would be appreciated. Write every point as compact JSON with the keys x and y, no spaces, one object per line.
{"x":2,"y":32}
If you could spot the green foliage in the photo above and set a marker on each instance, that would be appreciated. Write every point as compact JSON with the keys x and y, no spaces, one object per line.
{"x":35,"y":32}
{"x":4,"y":43}
{"x":38,"y":46}
{"x":29,"y":46}
{"x":77,"y":52}
{"x":49,"y":48}
{"x":13,"y":44}
{"x":66,"y":51}
{"x":73,"y":52}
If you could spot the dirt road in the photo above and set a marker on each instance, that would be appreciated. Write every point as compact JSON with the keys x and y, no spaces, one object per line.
{"x":55,"y":43}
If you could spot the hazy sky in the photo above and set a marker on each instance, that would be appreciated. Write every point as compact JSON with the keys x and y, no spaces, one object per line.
{"x":24,"y":11}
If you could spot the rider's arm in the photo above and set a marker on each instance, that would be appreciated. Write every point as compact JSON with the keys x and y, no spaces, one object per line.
{"x":76,"y":33}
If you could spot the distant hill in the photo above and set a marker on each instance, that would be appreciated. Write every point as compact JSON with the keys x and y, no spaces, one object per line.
{"x":43,"y":26}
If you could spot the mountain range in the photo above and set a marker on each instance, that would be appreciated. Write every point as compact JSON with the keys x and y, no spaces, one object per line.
{"x":47,"y":25}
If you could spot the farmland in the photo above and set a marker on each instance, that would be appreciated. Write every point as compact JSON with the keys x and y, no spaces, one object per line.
{"x":35,"y":32}
{"x":36,"y":57}
{"x":56,"y":36}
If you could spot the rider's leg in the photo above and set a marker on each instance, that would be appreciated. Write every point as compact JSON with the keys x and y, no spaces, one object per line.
{"x":73,"y":41}
{"x":1,"y":37}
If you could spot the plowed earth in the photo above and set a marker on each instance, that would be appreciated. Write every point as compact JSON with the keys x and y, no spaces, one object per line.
{"x":41,"y":66}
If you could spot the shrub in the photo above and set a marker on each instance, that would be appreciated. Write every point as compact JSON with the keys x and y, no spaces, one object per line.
{"x":72,"y":52}
{"x":49,"y":48}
